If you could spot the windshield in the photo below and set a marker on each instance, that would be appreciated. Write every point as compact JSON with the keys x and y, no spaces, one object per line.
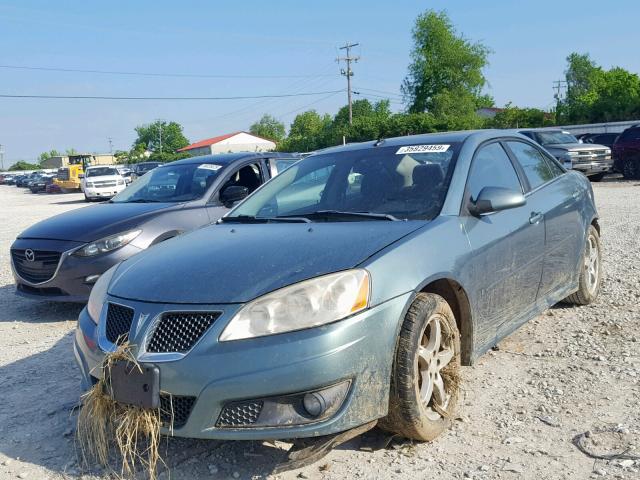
{"x":554,"y":138}
{"x":171,"y":183}
{"x":145,"y":167}
{"x":101,"y":171}
{"x":388,"y":181}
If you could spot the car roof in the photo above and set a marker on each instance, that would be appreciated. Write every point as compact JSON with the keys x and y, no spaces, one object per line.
{"x":228,"y":158}
{"x":426,"y":138}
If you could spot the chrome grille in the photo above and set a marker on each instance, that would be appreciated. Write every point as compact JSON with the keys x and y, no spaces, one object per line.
{"x":104,"y":183}
{"x":588,"y":156}
{"x":119,"y":319}
{"x":39,"y":270}
{"x":179,"y":331}
{"x":240,"y":414}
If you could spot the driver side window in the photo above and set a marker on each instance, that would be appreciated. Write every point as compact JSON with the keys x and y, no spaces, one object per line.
{"x":248,"y":176}
{"x":491,"y":167}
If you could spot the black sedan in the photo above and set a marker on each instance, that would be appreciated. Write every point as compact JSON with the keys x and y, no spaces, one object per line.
{"x":60,"y":259}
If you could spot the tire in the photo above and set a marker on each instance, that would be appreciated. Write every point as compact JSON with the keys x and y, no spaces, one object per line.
{"x":409,"y":414}
{"x":630,"y":169}
{"x":590,"y":271}
{"x":596,"y":178}
{"x":87,"y":199}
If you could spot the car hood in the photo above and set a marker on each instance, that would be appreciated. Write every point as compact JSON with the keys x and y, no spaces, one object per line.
{"x":92,"y":223}
{"x":235,"y":263}
{"x":103,"y":178}
{"x":575,"y":147}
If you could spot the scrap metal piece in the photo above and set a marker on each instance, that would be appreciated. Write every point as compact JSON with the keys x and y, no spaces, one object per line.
{"x":307,"y":451}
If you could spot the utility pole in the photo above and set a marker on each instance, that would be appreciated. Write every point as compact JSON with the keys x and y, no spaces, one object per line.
{"x":1,"y":157}
{"x":559,"y":86}
{"x":160,"y":127}
{"x":348,"y":72}
{"x":110,"y":144}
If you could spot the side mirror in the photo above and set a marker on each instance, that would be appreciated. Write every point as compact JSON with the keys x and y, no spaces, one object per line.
{"x":232,"y":194}
{"x":495,"y":199}
{"x":81,"y":175}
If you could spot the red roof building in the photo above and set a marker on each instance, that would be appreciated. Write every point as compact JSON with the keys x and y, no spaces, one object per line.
{"x":229,"y":143}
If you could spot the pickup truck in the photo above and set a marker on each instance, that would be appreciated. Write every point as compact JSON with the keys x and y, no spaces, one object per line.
{"x":593,"y":160}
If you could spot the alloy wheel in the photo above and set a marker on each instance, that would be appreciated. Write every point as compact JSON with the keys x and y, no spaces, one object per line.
{"x":592,"y":263}
{"x":435,"y":352}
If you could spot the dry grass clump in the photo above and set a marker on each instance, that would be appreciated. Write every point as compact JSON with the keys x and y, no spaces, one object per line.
{"x":103,"y":423}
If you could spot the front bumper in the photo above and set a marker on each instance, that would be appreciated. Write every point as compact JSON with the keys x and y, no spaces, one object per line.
{"x":359,"y":349}
{"x":68,"y":284}
{"x":593,"y":168}
{"x":103,"y":192}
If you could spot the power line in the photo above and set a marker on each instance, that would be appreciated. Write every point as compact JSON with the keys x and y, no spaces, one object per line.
{"x":155,"y":74}
{"x":380,"y":91}
{"x":306,"y":106}
{"x":240,"y":97}
{"x":348,"y":73}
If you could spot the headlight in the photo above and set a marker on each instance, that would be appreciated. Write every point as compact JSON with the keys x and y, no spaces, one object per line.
{"x":306,"y":304}
{"x":98,"y":294}
{"x":120,"y":182}
{"x":107,"y":244}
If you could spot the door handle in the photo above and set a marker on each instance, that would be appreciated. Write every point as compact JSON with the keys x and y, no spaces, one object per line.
{"x":535,"y":217}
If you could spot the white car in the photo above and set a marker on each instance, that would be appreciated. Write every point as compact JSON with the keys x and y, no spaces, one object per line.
{"x":102,"y":182}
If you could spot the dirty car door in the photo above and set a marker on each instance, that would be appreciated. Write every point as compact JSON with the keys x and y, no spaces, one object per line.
{"x":507,"y":248}
{"x":557,"y":196}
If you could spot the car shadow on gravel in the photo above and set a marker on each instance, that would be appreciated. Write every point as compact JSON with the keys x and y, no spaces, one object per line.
{"x":17,"y":309}
{"x":70,"y":202}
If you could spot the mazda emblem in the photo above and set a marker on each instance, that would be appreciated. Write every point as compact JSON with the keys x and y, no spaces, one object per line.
{"x":29,"y":255}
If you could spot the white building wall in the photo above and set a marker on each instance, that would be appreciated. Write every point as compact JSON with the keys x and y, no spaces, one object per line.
{"x":243,"y":142}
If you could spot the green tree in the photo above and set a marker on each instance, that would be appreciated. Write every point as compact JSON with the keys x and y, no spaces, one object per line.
{"x":580,"y":75}
{"x":268,"y":127}
{"x":22,"y":165}
{"x":369,"y":122}
{"x":598,"y":95}
{"x":515,"y":117}
{"x":308,"y":132}
{"x":162,"y":138}
{"x":70,"y":151}
{"x":47,"y":155}
{"x":443,"y":63}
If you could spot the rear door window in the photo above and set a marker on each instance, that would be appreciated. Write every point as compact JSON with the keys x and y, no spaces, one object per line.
{"x":535,"y":165}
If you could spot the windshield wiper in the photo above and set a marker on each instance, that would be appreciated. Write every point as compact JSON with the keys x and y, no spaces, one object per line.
{"x":339,"y":213}
{"x":252,"y":219}
{"x":143,"y":200}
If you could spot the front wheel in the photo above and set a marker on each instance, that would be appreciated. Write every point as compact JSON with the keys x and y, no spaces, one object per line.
{"x":425,"y":381}
{"x":590,"y":271}
{"x":596,"y":178}
{"x":87,"y":199}
{"x":630,"y":169}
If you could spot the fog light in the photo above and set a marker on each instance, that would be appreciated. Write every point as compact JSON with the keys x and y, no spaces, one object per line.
{"x":314,"y":403}
{"x":91,"y":279}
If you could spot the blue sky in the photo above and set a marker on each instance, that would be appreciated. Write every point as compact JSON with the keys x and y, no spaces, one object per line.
{"x":530,"y":41}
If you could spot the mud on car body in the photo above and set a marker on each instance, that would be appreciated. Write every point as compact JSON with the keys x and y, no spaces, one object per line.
{"x":60,"y":259}
{"x":351,"y":287}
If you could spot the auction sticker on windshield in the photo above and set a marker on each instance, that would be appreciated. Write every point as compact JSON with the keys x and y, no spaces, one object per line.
{"x":422,"y":149}
{"x":210,"y":166}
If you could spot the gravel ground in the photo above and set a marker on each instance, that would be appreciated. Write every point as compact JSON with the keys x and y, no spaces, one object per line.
{"x":569,"y":371}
